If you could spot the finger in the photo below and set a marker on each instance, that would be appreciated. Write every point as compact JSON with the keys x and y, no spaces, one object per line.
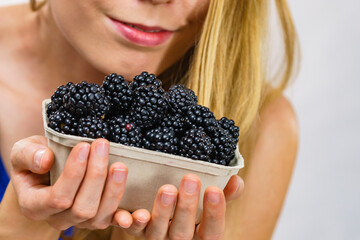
{"x":212,"y":225}
{"x":31,"y":154}
{"x":122,"y":218}
{"x":141,"y":218}
{"x":113,"y":192}
{"x":88,"y":197}
{"x":234,"y":188}
{"x":161,"y":212}
{"x":41,"y":201}
{"x":183,"y":223}
{"x":68,"y":183}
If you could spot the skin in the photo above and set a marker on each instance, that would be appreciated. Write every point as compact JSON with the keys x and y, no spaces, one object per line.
{"x":35,"y":58}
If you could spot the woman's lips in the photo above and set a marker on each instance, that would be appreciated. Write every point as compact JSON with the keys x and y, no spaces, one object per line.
{"x":142,"y":35}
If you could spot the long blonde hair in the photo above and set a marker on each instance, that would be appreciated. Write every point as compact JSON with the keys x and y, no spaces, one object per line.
{"x":227,"y":66}
{"x":228,"y":70}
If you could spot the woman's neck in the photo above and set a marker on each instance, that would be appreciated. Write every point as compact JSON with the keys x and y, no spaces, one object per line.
{"x":62,"y":61}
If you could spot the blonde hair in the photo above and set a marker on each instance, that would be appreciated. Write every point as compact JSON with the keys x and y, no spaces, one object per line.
{"x":227,"y":66}
{"x":228,"y":70}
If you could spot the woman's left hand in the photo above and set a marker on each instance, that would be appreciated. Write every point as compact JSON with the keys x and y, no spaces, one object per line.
{"x":182,"y":225}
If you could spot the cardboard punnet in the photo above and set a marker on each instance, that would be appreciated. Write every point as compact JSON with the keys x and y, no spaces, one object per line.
{"x":147,"y":170}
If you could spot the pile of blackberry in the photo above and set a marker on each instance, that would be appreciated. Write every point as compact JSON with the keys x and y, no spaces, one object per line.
{"x":142,"y":114}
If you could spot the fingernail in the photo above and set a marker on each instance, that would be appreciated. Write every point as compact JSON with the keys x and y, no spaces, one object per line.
{"x":190,"y":186}
{"x":38,"y":158}
{"x":119,"y":175}
{"x":213,"y":197}
{"x":102,"y":149}
{"x":141,"y":221}
{"x":167,"y":198}
{"x":83,"y":153}
{"x":124,"y":222}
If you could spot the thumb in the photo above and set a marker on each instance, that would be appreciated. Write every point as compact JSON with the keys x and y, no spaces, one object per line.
{"x":30,"y":155}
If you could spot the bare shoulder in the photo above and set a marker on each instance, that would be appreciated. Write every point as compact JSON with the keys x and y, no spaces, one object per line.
{"x":11,"y":16}
{"x":15,"y":31}
{"x":277,"y":137}
{"x":278,"y":120}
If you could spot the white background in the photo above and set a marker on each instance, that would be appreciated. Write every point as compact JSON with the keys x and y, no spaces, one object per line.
{"x":324,"y":197}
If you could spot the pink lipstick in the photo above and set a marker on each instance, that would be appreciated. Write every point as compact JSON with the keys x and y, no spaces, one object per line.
{"x":142,"y":35}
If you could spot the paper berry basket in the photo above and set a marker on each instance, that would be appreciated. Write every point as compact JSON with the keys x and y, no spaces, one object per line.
{"x":148,"y":170}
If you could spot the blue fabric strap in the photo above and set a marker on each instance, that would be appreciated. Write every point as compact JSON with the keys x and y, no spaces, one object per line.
{"x":4,"y":179}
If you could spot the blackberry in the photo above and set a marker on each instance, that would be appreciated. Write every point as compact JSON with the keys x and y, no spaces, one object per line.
{"x":119,"y":93}
{"x":149,"y":106}
{"x":200,"y":116}
{"x":63,"y":122}
{"x":181,"y":98}
{"x":224,"y":144}
{"x":93,"y":127}
{"x":86,"y":99}
{"x":57,"y":100}
{"x":175,"y":122}
{"x":124,"y":131}
{"x":229,"y":125}
{"x":161,"y":139}
{"x":51,"y":109}
{"x":145,"y":79}
{"x":196,"y":144}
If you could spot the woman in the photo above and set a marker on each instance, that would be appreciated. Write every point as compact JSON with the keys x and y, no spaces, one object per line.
{"x":217,"y":48}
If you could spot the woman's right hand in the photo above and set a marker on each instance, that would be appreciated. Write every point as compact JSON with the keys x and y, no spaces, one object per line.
{"x":85,"y":194}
